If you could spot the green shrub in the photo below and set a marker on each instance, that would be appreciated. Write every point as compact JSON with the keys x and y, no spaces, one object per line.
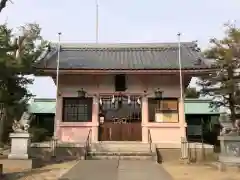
{"x":38,"y":134}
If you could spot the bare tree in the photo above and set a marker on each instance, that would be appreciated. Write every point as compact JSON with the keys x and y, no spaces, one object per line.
{"x":3,"y":4}
{"x":191,"y":93}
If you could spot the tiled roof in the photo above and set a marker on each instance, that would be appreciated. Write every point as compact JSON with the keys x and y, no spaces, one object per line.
{"x":124,"y":56}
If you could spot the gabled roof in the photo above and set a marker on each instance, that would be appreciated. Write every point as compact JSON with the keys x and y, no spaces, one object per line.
{"x":136,"y":56}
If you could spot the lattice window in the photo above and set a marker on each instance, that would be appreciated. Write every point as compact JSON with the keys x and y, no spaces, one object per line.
{"x":121,"y":109}
{"x":163,"y":110}
{"x":77,"y":109}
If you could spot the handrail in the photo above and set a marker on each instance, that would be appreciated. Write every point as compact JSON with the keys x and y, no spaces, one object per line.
{"x":87,"y":143}
{"x":150,"y":140}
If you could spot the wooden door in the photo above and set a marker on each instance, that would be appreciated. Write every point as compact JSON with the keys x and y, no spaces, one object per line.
{"x":110,"y":132}
{"x":120,"y":132}
{"x":131,"y":132}
{"x":122,"y":121}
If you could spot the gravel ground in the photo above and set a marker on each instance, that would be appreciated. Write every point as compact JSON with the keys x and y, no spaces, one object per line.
{"x":199,"y":172}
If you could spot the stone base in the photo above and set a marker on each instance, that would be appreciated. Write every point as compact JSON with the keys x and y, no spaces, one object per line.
{"x":231,"y":160}
{"x":19,"y":145}
{"x":225,"y":167}
{"x":18,"y":156}
{"x":168,"y":155}
{"x":19,"y":165}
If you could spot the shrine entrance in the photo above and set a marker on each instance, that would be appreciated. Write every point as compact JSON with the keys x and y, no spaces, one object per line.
{"x":120,"y":118}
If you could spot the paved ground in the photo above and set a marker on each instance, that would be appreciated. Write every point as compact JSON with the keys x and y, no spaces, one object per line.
{"x":49,"y":172}
{"x":116,"y":170}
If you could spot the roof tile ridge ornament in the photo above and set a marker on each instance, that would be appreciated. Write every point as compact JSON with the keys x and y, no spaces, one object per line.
{"x":121,"y":45}
{"x":196,"y":51}
{"x":51,"y":51}
{"x":195,"y":46}
{"x":47,"y":53}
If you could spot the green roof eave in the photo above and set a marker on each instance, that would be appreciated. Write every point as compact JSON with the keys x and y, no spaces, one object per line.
{"x":42,"y":106}
{"x":199,"y":106}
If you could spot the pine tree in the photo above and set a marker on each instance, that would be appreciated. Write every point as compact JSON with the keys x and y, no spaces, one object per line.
{"x":223,"y":82}
{"x":17,"y":56}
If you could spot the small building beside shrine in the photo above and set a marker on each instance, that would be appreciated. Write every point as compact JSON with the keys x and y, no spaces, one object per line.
{"x":122,"y":92}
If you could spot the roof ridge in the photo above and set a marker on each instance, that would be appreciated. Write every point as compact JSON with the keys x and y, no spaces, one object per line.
{"x":121,"y":45}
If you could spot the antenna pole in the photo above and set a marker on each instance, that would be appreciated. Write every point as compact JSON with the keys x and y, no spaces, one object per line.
{"x":180,"y":66}
{"x":97,"y":20}
{"x":57,"y":80}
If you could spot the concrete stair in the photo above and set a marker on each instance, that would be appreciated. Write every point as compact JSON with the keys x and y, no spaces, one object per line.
{"x":122,"y":150}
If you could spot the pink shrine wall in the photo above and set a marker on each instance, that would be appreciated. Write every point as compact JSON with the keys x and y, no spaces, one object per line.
{"x":165,"y":135}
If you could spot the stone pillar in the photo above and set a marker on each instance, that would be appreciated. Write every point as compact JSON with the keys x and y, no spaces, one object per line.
{"x":144,"y":119}
{"x":95,"y":122}
{"x":182,"y":121}
{"x":19,"y":145}
{"x":58,"y":118}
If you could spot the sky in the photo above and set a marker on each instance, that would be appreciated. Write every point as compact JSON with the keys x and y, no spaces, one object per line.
{"x":121,"y":21}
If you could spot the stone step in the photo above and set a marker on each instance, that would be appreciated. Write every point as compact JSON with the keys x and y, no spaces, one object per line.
{"x":114,"y":149}
{"x":122,"y":143}
{"x":120,"y":153}
{"x":122,"y":150}
{"x":120,"y":147}
{"x":121,"y":158}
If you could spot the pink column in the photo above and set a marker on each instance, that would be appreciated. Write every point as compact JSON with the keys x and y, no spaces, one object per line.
{"x":182,"y":121}
{"x":95,"y":123}
{"x":144,"y":119}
